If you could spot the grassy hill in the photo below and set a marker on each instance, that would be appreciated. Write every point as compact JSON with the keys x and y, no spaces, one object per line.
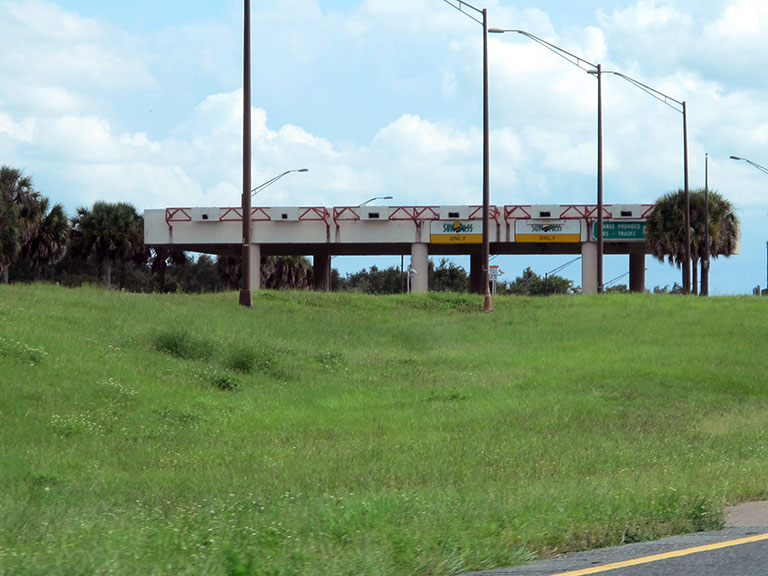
{"x":349,"y":434}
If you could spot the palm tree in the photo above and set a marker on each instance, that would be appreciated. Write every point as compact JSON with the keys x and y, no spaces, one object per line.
{"x":277,"y":272}
{"x":724,"y":230}
{"x":20,"y":208}
{"x":164,"y":255}
{"x":286,"y":272}
{"x":10,"y":243}
{"x":50,"y":242}
{"x":666,"y":229}
{"x":132,"y":248}
{"x":111,"y":233}
{"x":228,"y":270}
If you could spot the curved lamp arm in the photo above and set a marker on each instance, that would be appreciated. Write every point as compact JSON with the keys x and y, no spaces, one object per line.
{"x":755,"y":164}
{"x":374,"y":198}
{"x":261,"y":187}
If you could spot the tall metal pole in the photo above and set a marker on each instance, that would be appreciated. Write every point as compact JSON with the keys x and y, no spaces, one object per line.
{"x":600,"y":286}
{"x":597,"y":71}
{"x":246,"y":293}
{"x":486,"y":251}
{"x":668,"y":100}
{"x":687,"y":263}
{"x":705,"y":262}
{"x":764,"y":170}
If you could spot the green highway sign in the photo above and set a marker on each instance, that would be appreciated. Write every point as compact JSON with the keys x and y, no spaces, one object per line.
{"x":622,"y":231}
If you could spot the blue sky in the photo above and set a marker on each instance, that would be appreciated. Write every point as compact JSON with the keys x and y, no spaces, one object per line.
{"x":139,"y":101}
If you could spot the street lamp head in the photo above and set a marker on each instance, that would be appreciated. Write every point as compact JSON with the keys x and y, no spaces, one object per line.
{"x":496,"y":30}
{"x":303,"y":170}
{"x":374,"y":198}
{"x":762,"y":169}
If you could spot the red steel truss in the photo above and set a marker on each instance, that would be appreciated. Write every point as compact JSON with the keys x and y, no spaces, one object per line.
{"x":413,"y":213}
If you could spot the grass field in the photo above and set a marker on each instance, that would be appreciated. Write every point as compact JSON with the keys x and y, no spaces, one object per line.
{"x":337,"y":434}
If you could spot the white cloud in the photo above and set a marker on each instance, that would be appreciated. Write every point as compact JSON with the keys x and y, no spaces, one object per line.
{"x":38,"y":39}
{"x":593,"y":41}
{"x":450,"y":84}
{"x":146,"y":185}
{"x":649,"y":31}
{"x":298,"y":138}
{"x":421,"y":137}
{"x":647,"y":15}
{"x":412,"y":17}
{"x":139,"y":141}
{"x":79,"y":138}
{"x":50,"y":99}
{"x":22,"y":131}
{"x":46,"y":19}
{"x":509,"y":157}
{"x":427,"y":162}
{"x":732,"y":45}
{"x":560,"y":151}
{"x":741,"y":21}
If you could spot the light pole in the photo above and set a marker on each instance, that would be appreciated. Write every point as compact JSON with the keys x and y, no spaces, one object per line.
{"x":373,"y":199}
{"x":246,"y":291}
{"x":679,"y":106}
{"x":271,"y":181}
{"x":485,"y":253}
{"x":596,"y":70}
{"x":705,"y":263}
{"x":764,"y":170}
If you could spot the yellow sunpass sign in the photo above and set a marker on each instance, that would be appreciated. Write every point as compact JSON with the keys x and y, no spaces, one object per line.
{"x":456,"y":232}
{"x":546,"y":231}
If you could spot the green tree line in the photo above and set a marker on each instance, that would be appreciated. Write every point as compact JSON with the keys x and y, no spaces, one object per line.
{"x":104,"y":244}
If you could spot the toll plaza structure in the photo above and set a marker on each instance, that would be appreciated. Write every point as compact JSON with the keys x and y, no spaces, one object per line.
{"x":418,"y":231}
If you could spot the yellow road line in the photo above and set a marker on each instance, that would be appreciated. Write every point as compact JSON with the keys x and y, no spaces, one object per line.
{"x":665,"y":556}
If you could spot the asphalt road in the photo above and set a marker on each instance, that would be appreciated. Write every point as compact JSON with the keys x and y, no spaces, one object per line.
{"x":734,"y":551}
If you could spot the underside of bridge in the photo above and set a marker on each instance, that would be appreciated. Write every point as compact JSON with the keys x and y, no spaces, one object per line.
{"x":322,"y":255}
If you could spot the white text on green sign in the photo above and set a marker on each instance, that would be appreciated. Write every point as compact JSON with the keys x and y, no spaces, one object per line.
{"x":622,"y":231}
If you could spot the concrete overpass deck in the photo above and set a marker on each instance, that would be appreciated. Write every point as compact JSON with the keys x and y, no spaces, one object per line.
{"x":420,"y":231}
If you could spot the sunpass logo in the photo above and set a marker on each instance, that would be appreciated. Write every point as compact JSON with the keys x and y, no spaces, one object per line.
{"x":546,"y":228}
{"x":457,"y":228}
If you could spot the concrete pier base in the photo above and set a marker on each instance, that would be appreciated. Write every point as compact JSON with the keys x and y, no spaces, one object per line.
{"x":321,"y":269}
{"x":476,"y":274}
{"x":255,"y":259}
{"x":637,"y":272}
{"x":420,"y":265}
{"x":589,"y":268}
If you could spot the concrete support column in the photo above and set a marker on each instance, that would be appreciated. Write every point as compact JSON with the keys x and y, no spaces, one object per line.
{"x":589,"y":268}
{"x":637,"y":272}
{"x":321,"y":264}
{"x":254,"y":258}
{"x":476,"y":273}
{"x":420,"y":264}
